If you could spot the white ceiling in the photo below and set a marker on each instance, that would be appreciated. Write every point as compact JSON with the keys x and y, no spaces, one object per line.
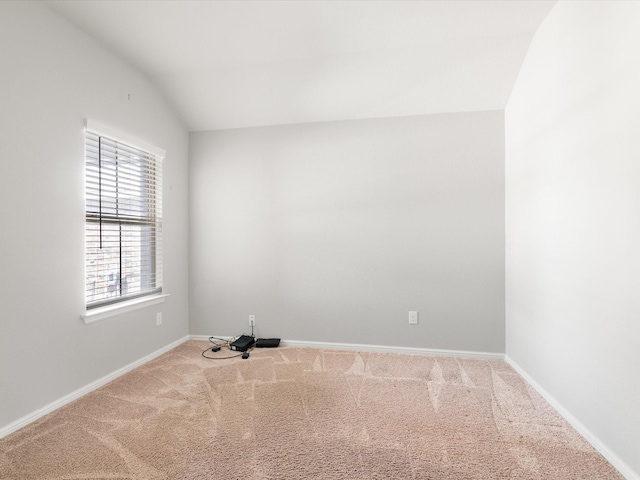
{"x":230,"y":64}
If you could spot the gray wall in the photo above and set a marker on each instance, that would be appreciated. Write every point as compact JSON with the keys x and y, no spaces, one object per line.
{"x":332,"y":232}
{"x":53,"y":76}
{"x":572,"y":219}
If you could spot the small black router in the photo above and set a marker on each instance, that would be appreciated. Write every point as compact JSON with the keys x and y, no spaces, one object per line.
{"x":242,"y":343}
{"x":267,"y":342}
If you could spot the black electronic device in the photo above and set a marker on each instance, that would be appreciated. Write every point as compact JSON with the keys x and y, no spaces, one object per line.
{"x":267,"y":342}
{"x":242,"y":343}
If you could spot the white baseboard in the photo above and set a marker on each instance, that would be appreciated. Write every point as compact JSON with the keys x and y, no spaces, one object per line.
{"x":611,"y":457}
{"x":32,"y":417}
{"x":379,"y":348}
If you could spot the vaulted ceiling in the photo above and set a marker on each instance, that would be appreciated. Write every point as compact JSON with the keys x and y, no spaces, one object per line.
{"x":230,"y":64}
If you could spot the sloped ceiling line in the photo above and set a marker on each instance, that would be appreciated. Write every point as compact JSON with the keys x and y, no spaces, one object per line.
{"x":234,"y":64}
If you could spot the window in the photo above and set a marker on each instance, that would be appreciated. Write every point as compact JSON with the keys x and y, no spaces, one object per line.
{"x":123,"y":228}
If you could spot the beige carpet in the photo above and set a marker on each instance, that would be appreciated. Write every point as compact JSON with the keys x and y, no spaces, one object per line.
{"x":293,"y":413}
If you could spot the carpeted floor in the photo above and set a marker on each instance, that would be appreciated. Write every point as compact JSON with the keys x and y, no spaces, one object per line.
{"x":294,"y":413}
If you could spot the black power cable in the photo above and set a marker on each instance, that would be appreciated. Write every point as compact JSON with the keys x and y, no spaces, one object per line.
{"x":227,"y":343}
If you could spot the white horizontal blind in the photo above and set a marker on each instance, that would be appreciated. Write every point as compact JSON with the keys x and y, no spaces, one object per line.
{"x":123,"y":228}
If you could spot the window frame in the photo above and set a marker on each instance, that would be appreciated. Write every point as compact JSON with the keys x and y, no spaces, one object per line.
{"x":152,"y":218}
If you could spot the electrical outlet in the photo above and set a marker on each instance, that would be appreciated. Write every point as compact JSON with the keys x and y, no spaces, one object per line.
{"x":413,"y":318}
{"x":252,"y":320}
{"x":158,"y":319}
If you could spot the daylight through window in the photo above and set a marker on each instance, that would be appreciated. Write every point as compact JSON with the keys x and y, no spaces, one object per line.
{"x":123,"y":227}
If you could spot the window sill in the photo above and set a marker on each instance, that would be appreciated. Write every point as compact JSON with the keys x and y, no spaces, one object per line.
{"x":101,"y":313}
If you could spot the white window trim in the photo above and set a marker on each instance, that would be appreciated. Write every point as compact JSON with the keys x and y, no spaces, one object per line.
{"x":100,"y":313}
{"x":119,"y":308}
